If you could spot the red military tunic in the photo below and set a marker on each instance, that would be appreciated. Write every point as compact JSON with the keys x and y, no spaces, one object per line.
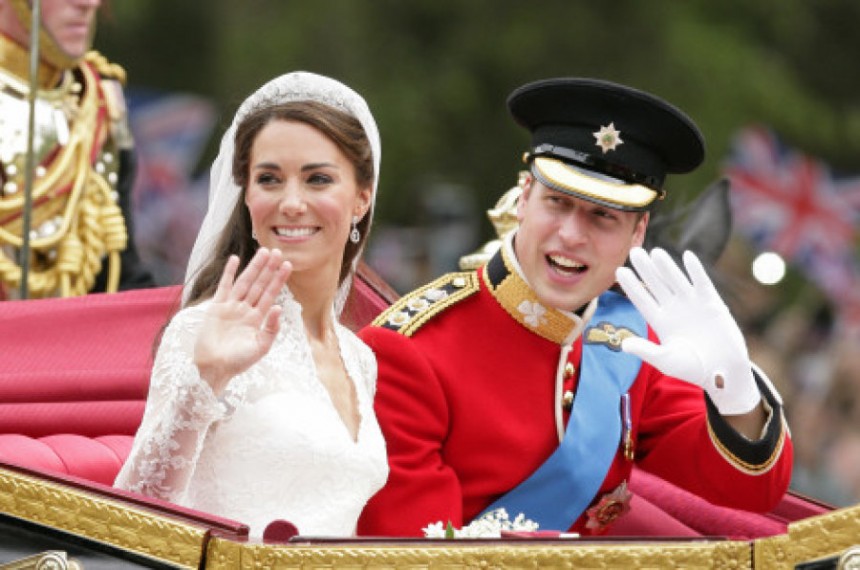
{"x":470,"y":400}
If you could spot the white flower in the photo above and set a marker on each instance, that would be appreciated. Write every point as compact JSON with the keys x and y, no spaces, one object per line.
{"x":533,"y":312}
{"x":435,"y":530}
{"x":490,"y":525}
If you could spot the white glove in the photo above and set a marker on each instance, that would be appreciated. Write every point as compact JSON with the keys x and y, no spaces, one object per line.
{"x":700,"y":341}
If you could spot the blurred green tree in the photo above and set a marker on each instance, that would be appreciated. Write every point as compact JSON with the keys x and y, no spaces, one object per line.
{"x":437,"y":73}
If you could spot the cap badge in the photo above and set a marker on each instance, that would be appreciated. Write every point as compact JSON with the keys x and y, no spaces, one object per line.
{"x":608,"y":138}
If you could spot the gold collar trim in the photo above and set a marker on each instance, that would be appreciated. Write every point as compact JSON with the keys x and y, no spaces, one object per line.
{"x":502,"y":277}
{"x":16,"y":61}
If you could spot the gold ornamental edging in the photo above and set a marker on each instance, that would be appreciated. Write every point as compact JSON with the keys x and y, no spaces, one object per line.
{"x":810,"y":539}
{"x":110,"y":522}
{"x":227,"y":554}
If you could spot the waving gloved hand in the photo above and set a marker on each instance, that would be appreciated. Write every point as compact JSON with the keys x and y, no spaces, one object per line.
{"x":700,"y":342}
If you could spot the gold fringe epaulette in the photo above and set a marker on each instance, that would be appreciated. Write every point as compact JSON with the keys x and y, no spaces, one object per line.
{"x":104,"y":67}
{"x":409,"y":313}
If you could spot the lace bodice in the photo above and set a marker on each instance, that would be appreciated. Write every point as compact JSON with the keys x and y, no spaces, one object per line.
{"x":272,"y":447}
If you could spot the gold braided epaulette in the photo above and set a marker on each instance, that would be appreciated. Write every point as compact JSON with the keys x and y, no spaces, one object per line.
{"x":410,"y":312}
{"x":104,"y":67}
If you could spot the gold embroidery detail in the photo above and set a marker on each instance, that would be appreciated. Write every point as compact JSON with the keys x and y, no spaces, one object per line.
{"x":410,"y":312}
{"x":77,"y":225}
{"x":518,"y":299}
{"x":606,"y":333}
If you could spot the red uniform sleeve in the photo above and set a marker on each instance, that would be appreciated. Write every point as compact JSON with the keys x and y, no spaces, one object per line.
{"x":413,"y":414}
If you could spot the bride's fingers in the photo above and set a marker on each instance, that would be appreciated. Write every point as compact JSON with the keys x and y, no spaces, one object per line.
{"x":249,"y":275}
{"x":225,"y":284}
{"x":272,"y":324}
{"x":267,"y":275}
{"x":273,"y":289}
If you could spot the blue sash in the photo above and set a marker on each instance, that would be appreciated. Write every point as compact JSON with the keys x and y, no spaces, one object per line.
{"x":557,"y":493}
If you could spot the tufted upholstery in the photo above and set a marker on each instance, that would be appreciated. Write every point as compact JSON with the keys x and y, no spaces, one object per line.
{"x":74,"y":378}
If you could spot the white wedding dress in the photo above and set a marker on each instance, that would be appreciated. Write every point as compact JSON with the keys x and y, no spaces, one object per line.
{"x":272,"y":447}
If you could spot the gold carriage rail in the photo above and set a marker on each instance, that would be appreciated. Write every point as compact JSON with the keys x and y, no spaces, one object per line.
{"x":99,"y":527}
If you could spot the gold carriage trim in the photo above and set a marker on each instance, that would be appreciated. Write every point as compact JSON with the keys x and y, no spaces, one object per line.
{"x":745,"y":466}
{"x":410,"y":312}
{"x":809,"y":539}
{"x":110,"y":522}
{"x":227,"y":554}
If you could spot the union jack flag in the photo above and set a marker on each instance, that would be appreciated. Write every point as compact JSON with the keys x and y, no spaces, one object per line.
{"x":789,"y":203}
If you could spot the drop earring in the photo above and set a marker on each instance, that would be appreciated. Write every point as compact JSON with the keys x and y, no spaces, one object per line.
{"x":354,"y":235}
{"x":254,"y":235}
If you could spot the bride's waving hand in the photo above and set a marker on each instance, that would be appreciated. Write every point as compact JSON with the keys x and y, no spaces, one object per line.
{"x":242,"y":321}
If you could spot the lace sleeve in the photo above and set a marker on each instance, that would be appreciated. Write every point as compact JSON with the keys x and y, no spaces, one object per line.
{"x":180,"y":409}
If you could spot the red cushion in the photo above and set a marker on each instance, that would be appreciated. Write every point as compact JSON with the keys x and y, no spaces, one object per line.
{"x":91,"y":419}
{"x":700,"y":515}
{"x":79,"y":365}
{"x":94,"y":459}
{"x":647,"y":519}
{"x":74,"y":378}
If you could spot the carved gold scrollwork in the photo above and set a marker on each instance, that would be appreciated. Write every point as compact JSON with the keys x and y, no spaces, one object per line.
{"x":49,"y":560}
{"x":850,"y":559}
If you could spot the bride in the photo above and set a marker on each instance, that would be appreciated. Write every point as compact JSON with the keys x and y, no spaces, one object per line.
{"x":261,"y":403}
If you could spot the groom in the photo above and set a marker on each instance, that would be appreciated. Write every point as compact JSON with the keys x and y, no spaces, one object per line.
{"x":532,"y":384}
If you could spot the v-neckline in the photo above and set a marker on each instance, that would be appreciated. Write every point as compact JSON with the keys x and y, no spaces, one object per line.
{"x":352,"y":382}
{"x":293,"y":317}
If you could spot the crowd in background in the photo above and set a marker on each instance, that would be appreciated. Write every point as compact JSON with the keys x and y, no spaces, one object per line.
{"x":818,"y":372}
{"x":815,"y":364}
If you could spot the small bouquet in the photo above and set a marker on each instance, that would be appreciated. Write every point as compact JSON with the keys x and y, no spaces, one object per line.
{"x":490,"y":525}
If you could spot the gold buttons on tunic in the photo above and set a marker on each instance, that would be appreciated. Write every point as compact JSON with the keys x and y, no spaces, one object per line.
{"x":567,"y":399}
{"x":569,"y":371}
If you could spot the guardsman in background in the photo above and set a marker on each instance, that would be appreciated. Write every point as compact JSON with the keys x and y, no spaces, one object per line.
{"x":81,"y":232}
{"x":534,"y":384}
